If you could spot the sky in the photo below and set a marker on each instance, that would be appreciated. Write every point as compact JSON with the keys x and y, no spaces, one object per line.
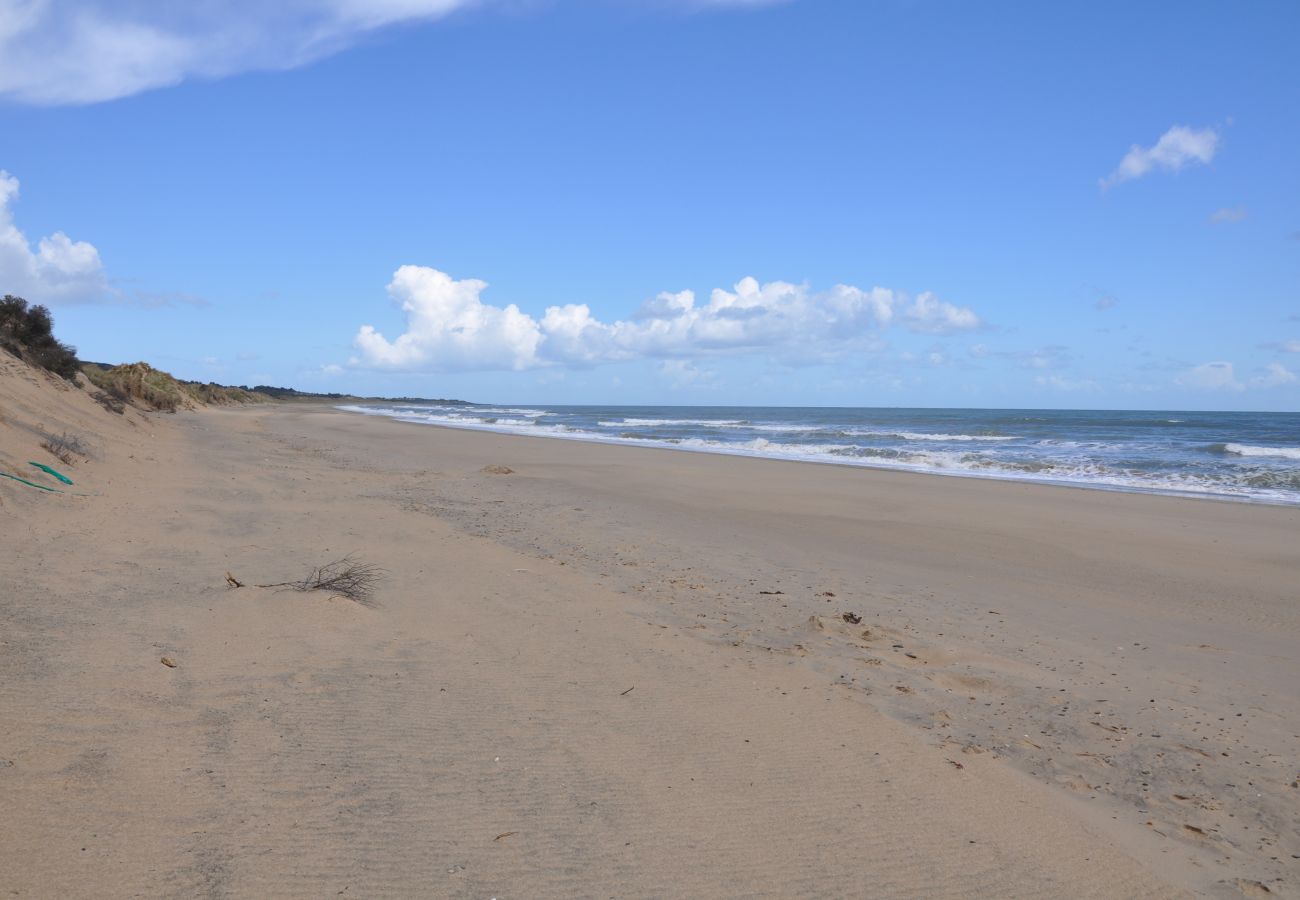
{"x":809,"y":202}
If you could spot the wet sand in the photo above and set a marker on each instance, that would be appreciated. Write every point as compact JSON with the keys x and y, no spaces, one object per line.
{"x":624,"y":672}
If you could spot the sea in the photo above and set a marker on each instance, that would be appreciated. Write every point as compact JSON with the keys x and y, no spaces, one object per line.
{"x":1244,"y":456}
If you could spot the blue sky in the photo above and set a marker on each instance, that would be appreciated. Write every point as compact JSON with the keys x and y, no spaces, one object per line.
{"x":870,"y":203}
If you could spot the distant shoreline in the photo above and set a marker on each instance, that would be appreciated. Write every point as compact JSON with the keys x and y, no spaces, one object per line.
{"x":355,"y":408}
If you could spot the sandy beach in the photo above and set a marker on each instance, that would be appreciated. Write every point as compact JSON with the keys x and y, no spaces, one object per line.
{"x":597,"y":671}
{"x":649,"y":449}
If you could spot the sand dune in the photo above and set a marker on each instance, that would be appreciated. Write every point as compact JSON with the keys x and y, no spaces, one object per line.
{"x":37,"y":406}
{"x":612,"y":672}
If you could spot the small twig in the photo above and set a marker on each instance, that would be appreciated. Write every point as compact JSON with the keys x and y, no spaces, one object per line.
{"x":233,"y":581}
{"x":504,"y":834}
{"x":628,"y":691}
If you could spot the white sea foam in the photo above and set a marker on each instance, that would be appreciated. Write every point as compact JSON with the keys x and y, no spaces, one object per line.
{"x":775,"y":428}
{"x":927,"y":436}
{"x":1249,"y":450}
{"x":531,"y":413}
{"x":703,"y":423}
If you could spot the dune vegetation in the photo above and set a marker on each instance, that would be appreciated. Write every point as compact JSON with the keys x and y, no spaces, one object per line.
{"x":142,"y":385}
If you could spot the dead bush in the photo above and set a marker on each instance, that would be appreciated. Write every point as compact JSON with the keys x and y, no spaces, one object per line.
{"x":109,"y":402}
{"x":66,"y":447}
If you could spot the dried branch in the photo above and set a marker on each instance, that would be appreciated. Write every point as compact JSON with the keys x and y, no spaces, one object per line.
{"x":346,"y":577}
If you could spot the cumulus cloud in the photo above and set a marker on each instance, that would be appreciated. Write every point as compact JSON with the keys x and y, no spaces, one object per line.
{"x":1178,"y":147}
{"x":450,"y":328}
{"x":86,"y":51}
{"x":1211,"y":376}
{"x":1228,"y":215}
{"x":57,"y":269}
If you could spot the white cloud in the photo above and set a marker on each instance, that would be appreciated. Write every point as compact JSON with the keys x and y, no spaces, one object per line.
{"x":1227,"y":215}
{"x":1177,"y":147}
{"x":449,"y":328}
{"x":1211,"y":376}
{"x":930,"y":315}
{"x":1275,"y":375}
{"x":86,"y":51}
{"x":58,"y":269}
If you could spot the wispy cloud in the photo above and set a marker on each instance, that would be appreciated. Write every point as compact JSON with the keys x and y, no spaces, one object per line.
{"x":1282,"y":346}
{"x":1221,"y":376}
{"x":156,"y":299}
{"x":683,"y":373}
{"x":1275,"y":375}
{"x":57,"y":269}
{"x":87,"y":51}
{"x":1052,"y":356}
{"x":1061,"y":383}
{"x":1227,"y":215}
{"x":1218,"y":376}
{"x":1178,"y":147}
{"x":84,"y":51}
{"x":450,"y":328}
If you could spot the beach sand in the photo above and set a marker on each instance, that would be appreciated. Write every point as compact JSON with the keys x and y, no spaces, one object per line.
{"x":625,"y":672}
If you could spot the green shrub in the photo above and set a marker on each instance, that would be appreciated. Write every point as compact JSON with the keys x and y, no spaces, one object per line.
{"x":28,"y":331}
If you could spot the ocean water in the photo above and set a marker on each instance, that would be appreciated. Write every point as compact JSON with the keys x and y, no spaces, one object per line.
{"x":1243,"y":456}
